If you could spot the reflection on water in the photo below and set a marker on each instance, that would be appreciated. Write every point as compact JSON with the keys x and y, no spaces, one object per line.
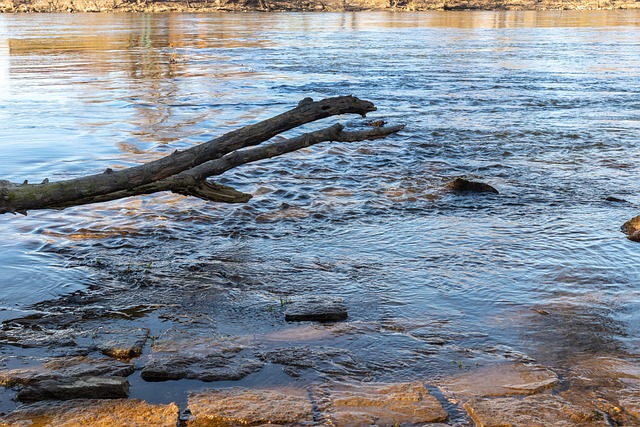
{"x":544,"y":106}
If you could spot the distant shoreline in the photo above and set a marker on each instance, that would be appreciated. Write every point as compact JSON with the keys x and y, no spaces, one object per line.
{"x":221,"y":6}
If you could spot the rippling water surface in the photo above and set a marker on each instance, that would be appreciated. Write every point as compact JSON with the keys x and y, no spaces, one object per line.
{"x":543,"y":106}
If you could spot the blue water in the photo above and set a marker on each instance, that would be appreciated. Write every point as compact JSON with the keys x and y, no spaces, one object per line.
{"x":544,"y":106}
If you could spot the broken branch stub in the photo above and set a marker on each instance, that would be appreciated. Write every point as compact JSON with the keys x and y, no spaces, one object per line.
{"x":186,"y":172}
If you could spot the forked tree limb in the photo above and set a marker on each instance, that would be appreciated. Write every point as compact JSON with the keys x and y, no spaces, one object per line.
{"x":186,"y":172}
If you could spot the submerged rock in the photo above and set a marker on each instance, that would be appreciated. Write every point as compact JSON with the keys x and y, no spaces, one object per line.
{"x":317,"y":308}
{"x":70,"y":378}
{"x":501,"y":380}
{"x":327,"y":360}
{"x":93,"y":413}
{"x":615,"y":199}
{"x":463,"y":185}
{"x":195,"y":354}
{"x":240,"y":407}
{"x":381,"y":405}
{"x":532,"y":411}
{"x":83,"y":366}
{"x":75,"y":388}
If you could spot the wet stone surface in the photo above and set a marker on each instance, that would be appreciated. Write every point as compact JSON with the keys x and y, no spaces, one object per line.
{"x":204,"y":368}
{"x":381,"y":404}
{"x":532,"y":411}
{"x":62,"y":388}
{"x":238,"y":407}
{"x":325,"y":360}
{"x":317,"y":308}
{"x":94,"y":413}
{"x":70,"y":378}
{"x":122,"y":344}
{"x":73,"y":367}
{"x":502,"y":380}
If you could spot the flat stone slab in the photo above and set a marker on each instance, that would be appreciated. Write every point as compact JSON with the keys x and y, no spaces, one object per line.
{"x":179,"y":354}
{"x":382,"y":405}
{"x":63,"y":367}
{"x":240,"y":407}
{"x":75,"y":388}
{"x":532,"y":411}
{"x":162,"y":367}
{"x":317,"y":309}
{"x":93,"y":413}
{"x":502,"y":380}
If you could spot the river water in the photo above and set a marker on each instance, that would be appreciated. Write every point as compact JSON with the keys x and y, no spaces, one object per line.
{"x":544,"y":106}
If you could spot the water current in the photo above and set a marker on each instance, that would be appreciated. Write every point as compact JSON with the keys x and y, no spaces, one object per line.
{"x":544,"y":106}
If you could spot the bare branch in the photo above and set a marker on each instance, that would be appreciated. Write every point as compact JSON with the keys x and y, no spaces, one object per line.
{"x":186,"y":172}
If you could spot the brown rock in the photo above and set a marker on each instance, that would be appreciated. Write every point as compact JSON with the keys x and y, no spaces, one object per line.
{"x":501,"y":380}
{"x":93,"y":413}
{"x":532,"y":411}
{"x":239,"y":406}
{"x":382,"y":405}
{"x":631,"y":226}
{"x":608,"y":383}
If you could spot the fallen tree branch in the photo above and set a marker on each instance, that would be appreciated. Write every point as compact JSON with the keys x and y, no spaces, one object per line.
{"x":186,"y":172}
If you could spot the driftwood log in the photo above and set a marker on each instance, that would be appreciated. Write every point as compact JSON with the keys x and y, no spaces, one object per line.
{"x":186,"y":172}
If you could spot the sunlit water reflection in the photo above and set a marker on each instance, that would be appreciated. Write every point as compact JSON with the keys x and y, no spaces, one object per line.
{"x":543,"y":106}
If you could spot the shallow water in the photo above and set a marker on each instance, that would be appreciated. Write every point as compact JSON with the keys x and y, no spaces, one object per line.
{"x":543,"y":106}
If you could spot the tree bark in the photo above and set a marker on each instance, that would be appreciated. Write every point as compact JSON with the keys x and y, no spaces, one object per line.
{"x":186,"y":172}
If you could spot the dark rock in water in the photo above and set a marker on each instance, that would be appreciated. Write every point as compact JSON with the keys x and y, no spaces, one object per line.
{"x":463,"y":185}
{"x":615,"y":200}
{"x":204,"y":368}
{"x":239,"y":406}
{"x":317,"y":308}
{"x":93,"y":413}
{"x":75,"y":388}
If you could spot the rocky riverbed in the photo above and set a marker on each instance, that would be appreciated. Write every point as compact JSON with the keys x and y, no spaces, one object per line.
{"x":76,"y":360}
{"x":208,"y":343}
